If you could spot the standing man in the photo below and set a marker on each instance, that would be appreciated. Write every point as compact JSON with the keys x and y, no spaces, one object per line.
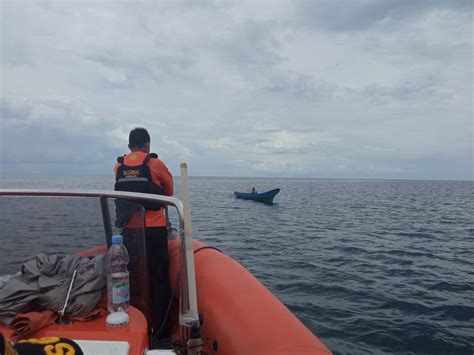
{"x":140,"y":171}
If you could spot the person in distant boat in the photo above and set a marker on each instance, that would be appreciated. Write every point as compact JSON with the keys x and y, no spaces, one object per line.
{"x":140,"y":171}
{"x":253,"y":191}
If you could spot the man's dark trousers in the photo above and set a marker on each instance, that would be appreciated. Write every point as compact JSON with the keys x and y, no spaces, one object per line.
{"x":158,"y":266}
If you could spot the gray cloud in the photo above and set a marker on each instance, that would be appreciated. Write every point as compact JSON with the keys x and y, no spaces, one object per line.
{"x":342,"y":89}
{"x":349,"y":15}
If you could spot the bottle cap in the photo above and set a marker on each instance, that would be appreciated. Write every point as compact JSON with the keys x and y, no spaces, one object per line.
{"x":117,"y":319}
{"x":117,"y":239}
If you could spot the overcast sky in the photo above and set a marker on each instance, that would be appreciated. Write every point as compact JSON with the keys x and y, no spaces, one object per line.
{"x":350,"y":89}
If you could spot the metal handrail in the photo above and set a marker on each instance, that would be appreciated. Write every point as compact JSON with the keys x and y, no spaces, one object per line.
{"x":130,"y":196}
{"x":103,"y":196}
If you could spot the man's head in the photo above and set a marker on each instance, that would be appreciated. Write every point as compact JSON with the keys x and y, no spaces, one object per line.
{"x":139,"y":140}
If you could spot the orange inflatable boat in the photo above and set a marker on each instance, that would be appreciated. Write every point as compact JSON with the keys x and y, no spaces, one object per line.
{"x":240,"y":316}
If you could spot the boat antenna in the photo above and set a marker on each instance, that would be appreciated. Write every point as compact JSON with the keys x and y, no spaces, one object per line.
{"x":189,"y":316}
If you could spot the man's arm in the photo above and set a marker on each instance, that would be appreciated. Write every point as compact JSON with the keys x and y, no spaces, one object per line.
{"x":162,"y":176}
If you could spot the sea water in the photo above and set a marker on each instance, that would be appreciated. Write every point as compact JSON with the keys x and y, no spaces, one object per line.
{"x":370,"y":266}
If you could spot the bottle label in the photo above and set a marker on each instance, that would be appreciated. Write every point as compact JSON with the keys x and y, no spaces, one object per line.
{"x":120,"y":291}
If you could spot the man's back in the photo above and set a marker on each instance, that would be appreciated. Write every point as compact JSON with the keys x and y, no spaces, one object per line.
{"x":160,"y":175}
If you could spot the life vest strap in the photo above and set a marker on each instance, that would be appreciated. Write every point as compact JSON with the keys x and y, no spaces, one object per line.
{"x":120,"y":159}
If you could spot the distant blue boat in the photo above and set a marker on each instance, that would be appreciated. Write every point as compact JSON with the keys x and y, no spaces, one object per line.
{"x":266,"y":197}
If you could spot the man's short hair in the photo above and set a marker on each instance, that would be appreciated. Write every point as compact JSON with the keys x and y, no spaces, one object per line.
{"x":138,"y":138}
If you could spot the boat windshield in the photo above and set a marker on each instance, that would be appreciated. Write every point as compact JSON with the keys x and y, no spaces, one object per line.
{"x":69,"y":225}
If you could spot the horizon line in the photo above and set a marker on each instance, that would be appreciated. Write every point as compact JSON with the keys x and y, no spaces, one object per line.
{"x":255,"y":177}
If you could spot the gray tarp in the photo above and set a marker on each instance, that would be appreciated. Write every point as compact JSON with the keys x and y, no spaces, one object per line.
{"x":44,"y":282}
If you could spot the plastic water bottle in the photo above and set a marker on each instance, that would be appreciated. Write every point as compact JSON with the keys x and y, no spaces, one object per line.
{"x":118,"y":289}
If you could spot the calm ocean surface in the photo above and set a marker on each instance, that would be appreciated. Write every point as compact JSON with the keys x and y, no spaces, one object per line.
{"x":371,"y":267}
